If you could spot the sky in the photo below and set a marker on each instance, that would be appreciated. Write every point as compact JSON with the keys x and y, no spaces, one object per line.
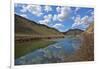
{"x":61,"y":18}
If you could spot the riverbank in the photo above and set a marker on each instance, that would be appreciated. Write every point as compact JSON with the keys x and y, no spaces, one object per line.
{"x":81,"y":46}
{"x":22,"y":48}
{"x":86,"y":51}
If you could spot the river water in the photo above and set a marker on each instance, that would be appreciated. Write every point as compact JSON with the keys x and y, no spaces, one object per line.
{"x":51,"y":54}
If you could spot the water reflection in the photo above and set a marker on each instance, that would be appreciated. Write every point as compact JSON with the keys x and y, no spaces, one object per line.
{"x":51,"y":54}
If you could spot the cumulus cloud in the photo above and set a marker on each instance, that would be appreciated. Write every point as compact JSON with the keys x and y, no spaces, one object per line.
{"x":55,"y":17}
{"x":85,"y":19}
{"x":33,"y":9}
{"x":65,"y":11}
{"x":48,"y":8}
{"x":24,"y":9}
{"x":76,"y":10}
{"x":58,"y":9}
{"x":89,"y":11}
{"x":49,"y":16}
{"x":92,"y":13}
{"x":91,"y":19}
{"x":24,"y":15}
{"x":45,"y":22}
{"x":58,"y":26}
{"x":83,"y":22}
{"x":77,"y":21}
{"x":37,"y":10}
{"x":47,"y":19}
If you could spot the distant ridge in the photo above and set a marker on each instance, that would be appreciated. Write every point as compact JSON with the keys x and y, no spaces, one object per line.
{"x":73,"y":32}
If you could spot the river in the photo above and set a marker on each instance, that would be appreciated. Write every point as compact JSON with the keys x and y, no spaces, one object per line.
{"x":51,"y":54}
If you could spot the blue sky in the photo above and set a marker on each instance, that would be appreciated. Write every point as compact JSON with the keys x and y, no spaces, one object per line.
{"x":61,"y":18}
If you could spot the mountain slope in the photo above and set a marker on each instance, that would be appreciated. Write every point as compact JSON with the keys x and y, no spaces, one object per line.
{"x":90,"y":28}
{"x":86,"y":51}
{"x":25,"y":26}
{"x":73,"y":32}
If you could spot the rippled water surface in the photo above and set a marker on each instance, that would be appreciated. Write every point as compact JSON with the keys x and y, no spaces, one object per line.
{"x":52,"y":53}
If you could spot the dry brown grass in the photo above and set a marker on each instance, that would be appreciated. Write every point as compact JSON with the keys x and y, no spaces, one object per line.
{"x":86,"y":51}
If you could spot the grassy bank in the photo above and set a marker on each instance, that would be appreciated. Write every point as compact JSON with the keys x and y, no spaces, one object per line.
{"x":22,"y":48}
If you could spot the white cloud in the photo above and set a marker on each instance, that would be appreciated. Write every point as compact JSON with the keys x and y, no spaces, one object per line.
{"x":24,"y":9}
{"x":91,"y":19}
{"x":76,"y":10}
{"x":47,"y":8}
{"x":58,"y":26}
{"x":85,"y":19}
{"x":34,"y":9}
{"x":47,"y":19}
{"x":92,"y":13}
{"x":61,"y":16}
{"x":58,"y":9}
{"x":49,"y":16}
{"x":45,"y":22}
{"x":82,"y":22}
{"x":55,"y":17}
{"x":77,"y":21}
{"x":64,"y":13}
{"x":24,"y":15}
{"x":89,"y":11}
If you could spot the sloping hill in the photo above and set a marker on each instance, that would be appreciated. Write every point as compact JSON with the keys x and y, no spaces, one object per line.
{"x":28,"y":35}
{"x":86,"y":51}
{"x":25,"y":26}
{"x":90,"y":28}
{"x":73,"y":32}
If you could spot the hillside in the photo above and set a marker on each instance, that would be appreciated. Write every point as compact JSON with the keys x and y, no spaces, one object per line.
{"x":90,"y":28}
{"x":86,"y":51}
{"x":87,"y":48}
{"x":30,"y":36}
{"x":73,"y":32}
{"x":25,"y":26}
